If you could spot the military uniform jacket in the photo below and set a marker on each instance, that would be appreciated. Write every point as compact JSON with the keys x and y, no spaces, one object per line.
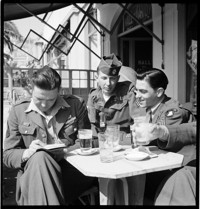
{"x":170,"y":112}
{"x":116,"y":109}
{"x":24,"y":127}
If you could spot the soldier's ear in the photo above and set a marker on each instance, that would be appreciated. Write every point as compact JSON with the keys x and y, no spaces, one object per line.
{"x":160,"y":92}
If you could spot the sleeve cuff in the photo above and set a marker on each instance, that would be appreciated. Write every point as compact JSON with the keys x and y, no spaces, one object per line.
{"x":164,"y":136}
{"x":25,"y":156}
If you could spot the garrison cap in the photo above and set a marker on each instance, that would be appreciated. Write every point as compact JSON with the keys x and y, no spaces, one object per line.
{"x":110,"y":65}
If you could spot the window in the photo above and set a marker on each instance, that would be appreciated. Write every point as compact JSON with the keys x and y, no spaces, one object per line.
{"x":65,"y":79}
{"x":79,"y":79}
{"x":142,"y":12}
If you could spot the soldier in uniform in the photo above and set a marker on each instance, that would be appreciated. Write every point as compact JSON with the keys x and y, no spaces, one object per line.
{"x":45,"y":178}
{"x":179,"y":187}
{"x":162,"y":111}
{"x":150,"y":93}
{"x":109,"y":103}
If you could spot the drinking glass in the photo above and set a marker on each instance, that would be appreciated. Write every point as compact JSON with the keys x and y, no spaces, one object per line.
{"x":105,"y":147}
{"x":140,"y":131}
{"x":85,"y":137}
{"x":114,"y":132}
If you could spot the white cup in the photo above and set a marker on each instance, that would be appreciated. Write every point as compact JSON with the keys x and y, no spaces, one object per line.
{"x":85,"y":137}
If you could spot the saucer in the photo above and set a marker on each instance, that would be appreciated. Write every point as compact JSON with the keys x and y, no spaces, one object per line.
{"x":117,"y":148}
{"x":136,"y":156}
{"x":88,"y":152}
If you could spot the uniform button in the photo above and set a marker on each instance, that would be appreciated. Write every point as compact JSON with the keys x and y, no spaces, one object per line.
{"x":43,"y":135}
{"x":26,"y":132}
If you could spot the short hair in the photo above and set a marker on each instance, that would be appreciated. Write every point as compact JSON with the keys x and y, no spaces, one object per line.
{"x":155,"y":77}
{"x":46,"y":78}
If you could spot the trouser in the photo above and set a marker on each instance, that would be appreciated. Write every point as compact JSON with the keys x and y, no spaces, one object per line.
{"x":136,"y":186}
{"x":153,"y":180}
{"x":46,"y":182}
{"x":179,"y":189}
{"x":155,"y":183}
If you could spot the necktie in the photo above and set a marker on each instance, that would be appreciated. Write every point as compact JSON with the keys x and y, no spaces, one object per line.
{"x":149,"y":116}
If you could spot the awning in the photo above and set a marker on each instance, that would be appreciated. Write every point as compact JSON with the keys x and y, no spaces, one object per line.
{"x":13,"y":11}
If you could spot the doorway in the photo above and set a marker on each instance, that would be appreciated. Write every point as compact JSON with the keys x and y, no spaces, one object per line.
{"x":136,"y":52}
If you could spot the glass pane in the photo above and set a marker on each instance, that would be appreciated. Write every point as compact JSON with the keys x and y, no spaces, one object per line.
{"x":64,"y":74}
{"x":93,"y":84}
{"x":83,"y":83}
{"x":65,"y":83}
{"x":83,"y":74}
{"x":142,"y":12}
{"x":91,"y":75}
{"x":75,"y":74}
{"x":75,"y":84}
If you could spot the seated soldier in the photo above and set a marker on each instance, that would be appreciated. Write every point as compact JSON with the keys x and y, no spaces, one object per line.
{"x":45,"y":178}
{"x":161,"y":110}
{"x":179,"y":185}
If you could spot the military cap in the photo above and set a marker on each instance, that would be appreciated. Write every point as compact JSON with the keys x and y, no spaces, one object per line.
{"x":110,"y":65}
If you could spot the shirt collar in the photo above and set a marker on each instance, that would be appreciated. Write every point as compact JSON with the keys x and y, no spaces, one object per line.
{"x":155,"y":107}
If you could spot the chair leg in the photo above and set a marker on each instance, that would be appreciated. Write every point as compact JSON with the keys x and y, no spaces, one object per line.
{"x":90,"y":194}
{"x":92,"y":199}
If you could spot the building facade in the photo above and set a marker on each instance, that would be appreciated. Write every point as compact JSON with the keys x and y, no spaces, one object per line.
{"x":158,"y":35}
{"x":163,"y":38}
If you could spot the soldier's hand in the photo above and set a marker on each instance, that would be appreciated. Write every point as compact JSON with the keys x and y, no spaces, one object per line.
{"x":33,"y":147}
{"x":149,"y":131}
{"x":157,"y":132}
{"x":36,"y":144}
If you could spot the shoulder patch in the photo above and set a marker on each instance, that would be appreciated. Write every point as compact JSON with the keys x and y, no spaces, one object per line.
{"x":171,"y":112}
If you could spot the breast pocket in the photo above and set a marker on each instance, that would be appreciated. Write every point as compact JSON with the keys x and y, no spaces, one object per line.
{"x":27,"y":130}
{"x":70,"y":127}
{"x":119,"y":105}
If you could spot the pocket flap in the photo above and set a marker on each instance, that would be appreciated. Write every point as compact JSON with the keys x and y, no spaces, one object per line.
{"x":27,"y":130}
{"x":120,"y":105}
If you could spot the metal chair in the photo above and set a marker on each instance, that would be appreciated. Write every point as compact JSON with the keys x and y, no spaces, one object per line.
{"x":89,"y":196}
